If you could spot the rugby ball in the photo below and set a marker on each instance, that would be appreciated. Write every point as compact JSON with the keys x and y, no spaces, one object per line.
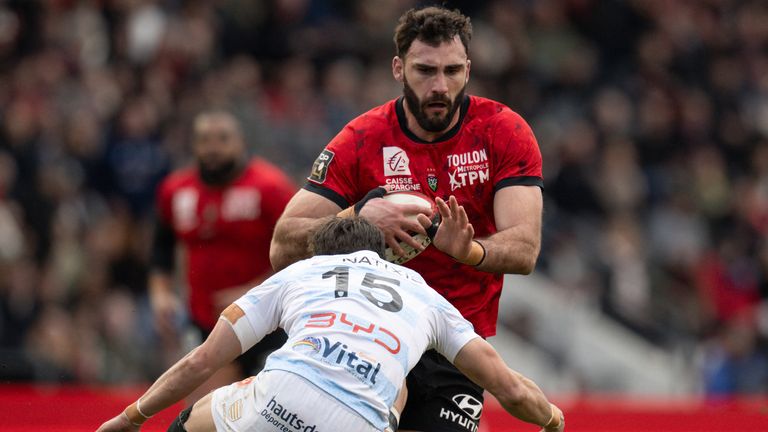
{"x":409,"y":197}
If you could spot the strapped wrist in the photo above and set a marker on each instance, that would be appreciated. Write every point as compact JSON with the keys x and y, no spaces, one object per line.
{"x":135,"y":415}
{"x":476,"y":255}
{"x":552,"y":418}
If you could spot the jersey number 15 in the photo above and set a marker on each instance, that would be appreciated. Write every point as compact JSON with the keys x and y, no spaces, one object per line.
{"x":370,"y":283}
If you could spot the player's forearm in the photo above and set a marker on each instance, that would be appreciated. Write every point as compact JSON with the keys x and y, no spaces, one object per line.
{"x":177,"y":382}
{"x":522,"y":398}
{"x":519,"y":396}
{"x":512,"y":251}
{"x":290,"y":240}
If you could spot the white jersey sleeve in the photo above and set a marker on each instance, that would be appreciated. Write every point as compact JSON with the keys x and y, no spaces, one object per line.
{"x":452,"y":331}
{"x":263,"y":307}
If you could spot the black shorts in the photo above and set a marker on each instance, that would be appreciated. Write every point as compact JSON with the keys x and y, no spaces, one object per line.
{"x":440,"y":398}
{"x":252,"y":361}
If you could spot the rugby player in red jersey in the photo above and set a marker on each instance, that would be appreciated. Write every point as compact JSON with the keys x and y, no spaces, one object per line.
{"x":471,"y":155}
{"x":223,"y":212}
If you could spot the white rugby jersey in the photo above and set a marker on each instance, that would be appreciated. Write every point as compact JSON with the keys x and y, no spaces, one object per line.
{"x":356,"y":325}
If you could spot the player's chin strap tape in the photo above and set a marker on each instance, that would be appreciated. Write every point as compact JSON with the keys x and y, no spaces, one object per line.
{"x":354,"y":210}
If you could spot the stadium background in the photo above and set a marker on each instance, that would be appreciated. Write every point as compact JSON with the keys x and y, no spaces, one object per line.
{"x":648,"y":307}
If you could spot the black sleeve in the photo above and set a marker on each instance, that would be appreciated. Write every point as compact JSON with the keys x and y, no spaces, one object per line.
{"x":331,"y":195}
{"x":163,"y":247}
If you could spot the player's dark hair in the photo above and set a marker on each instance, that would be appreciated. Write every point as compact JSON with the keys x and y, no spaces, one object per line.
{"x":346,"y":235}
{"x":431,"y":25}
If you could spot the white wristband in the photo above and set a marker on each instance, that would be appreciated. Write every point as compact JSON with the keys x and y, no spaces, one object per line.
{"x":138,"y":408}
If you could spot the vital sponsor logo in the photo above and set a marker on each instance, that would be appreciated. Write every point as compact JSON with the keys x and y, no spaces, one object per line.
{"x":320,"y":167}
{"x":395,"y":161}
{"x":308,"y":343}
{"x":285,"y":420}
{"x":338,"y":354}
{"x":468,"y":168}
{"x":360,"y":365}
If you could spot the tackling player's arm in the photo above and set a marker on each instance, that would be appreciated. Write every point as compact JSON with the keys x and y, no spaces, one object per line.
{"x":519,"y":396}
{"x":304,"y":213}
{"x":308,"y":210}
{"x":221,"y":348}
{"x":513,"y":249}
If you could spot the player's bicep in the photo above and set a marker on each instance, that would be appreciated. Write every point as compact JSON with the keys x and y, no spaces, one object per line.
{"x":306,"y":204}
{"x":222,"y":346}
{"x":480,"y":362}
{"x":518,"y":206}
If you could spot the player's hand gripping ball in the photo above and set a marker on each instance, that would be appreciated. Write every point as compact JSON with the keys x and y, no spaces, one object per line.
{"x":409,"y":197}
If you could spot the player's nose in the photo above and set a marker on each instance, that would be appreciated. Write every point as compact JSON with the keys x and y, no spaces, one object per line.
{"x":440,"y":84}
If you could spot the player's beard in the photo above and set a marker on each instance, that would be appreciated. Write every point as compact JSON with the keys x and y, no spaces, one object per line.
{"x":418,"y":108}
{"x":219,"y":174}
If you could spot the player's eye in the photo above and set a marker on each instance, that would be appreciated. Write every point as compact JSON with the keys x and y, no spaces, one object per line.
{"x":426,"y":69}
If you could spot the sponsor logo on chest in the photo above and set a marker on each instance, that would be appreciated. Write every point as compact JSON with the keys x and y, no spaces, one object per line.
{"x":241,"y":203}
{"x":397,"y":170}
{"x":337,"y":353}
{"x":237,"y":204}
{"x":184,"y":207}
{"x":468,"y":168}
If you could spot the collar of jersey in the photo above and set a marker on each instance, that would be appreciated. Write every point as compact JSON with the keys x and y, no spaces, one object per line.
{"x":366,"y":252}
{"x":444,"y":137}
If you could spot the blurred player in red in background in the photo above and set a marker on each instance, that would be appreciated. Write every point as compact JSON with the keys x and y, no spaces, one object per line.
{"x":439,"y":141}
{"x":223,"y":212}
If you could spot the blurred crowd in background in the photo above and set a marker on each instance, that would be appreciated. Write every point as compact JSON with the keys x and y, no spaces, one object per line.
{"x":652,"y":118}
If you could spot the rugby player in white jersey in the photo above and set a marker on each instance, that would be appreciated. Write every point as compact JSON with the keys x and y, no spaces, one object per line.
{"x":356,"y":325}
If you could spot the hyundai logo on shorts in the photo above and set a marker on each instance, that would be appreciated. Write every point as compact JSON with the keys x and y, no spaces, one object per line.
{"x":471,"y":406}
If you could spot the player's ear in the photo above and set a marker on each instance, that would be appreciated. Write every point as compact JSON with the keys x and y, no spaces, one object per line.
{"x":466,"y":75}
{"x":397,"y":68}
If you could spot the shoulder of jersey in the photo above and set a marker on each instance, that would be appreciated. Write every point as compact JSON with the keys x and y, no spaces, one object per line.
{"x":380,"y":115}
{"x":485,"y":107}
{"x":300,"y":266}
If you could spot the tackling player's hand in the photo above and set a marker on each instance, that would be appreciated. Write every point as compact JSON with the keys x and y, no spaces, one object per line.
{"x":119,"y":423}
{"x":393,"y":220}
{"x":455,"y":233}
